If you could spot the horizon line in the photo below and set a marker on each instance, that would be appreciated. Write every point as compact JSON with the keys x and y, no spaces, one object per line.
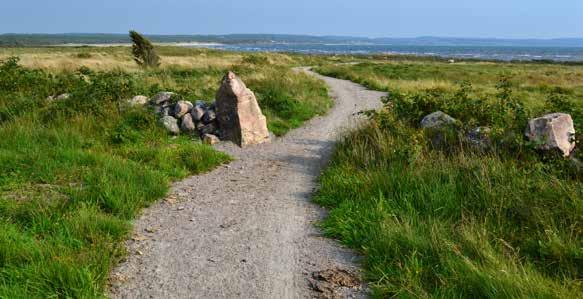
{"x":304,"y":35}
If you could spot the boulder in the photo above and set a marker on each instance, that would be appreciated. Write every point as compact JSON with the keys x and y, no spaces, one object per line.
{"x":210,"y":139}
{"x":552,"y":132}
{"x":182,"y":108}
{"x":479,"y":138}
{"x":197,"y":113}
{"x":171,"y":124}
{"x":440,"y":128}
{"x":238,"y":113}
{"x":187,"y":125}
{"x":209,"y":117}
{"x":162,"y":97}
{"x":138,"y":101}
{"x":437,"y":120}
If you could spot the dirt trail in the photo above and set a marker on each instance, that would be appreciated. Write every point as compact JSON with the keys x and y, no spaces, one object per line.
{"x":245,"y":230}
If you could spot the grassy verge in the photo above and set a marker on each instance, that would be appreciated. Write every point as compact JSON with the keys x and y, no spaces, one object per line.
{"x":75,"y":172}
{"x":454,"y":222}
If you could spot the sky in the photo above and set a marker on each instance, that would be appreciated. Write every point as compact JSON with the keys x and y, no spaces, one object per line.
{"x":370,"y":18}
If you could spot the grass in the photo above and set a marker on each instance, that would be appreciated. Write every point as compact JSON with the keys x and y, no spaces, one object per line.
{"x":75,"y":172}
{"x":454,"y":222}
{"x":288,"y":98}
{"x":532,"y":81}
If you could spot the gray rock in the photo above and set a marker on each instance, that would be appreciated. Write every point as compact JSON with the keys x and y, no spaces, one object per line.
{"x":479,"y":138}
{"x":437,"y":120}
{"x":182,"y":108}
{"x":171,"y":124}
{"x":209,"y":117}
{"x":59,"y":97}
{"x":187,"y":125}
{"x":440,"y":128}
{"x":162,"y":111}
{"x":554,"y":131}
{"x":210,"y":139}
{"x":64,"y":96}
{"x":208,"y":129}
{"x":197,"y":113}
{"x":162,"y":97}
{"x":138,"y":101}
{"x":202,"y":104}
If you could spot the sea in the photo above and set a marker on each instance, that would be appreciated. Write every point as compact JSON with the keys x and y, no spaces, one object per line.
{"x":505,"y":53}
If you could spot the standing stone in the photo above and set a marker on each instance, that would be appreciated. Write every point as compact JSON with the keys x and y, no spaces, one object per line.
{"x":171,"y":124}
{"x":553,"y":131}
{"x":182,"y":108}
{"x":187,"y":125}
{"x":238,"y":113}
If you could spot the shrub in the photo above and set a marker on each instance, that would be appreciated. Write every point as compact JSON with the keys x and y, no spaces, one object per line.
{"x":143,"y":51}
{"x":256,"y":59}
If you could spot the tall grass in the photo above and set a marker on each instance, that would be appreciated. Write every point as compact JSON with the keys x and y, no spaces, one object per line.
{"x":455,"y":222}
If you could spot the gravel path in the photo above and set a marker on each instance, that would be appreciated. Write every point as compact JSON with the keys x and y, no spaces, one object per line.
{"x":246,"y":230}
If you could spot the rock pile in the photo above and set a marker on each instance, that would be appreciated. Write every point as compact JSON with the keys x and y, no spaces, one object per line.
{"x":178,"y":116}
{"x":235,"y":116}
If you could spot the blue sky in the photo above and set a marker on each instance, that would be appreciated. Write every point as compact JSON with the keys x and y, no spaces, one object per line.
{"x":375,"y":18}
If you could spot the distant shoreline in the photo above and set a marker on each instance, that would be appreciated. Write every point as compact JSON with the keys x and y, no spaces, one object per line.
{"x":505,"y":53}
{"x":105,"y":45}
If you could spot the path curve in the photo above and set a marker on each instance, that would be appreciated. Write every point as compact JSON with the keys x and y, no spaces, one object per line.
{"x":245,"y":230}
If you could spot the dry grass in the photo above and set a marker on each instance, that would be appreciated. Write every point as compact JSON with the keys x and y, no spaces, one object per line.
{"x":104,"y":59}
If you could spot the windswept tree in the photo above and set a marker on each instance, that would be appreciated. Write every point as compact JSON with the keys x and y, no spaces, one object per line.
{"x":143,"y":51}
